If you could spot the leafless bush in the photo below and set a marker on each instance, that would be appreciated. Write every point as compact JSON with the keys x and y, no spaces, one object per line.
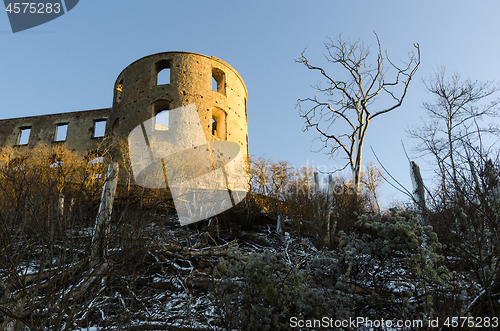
{"x":280,"y":189}
{"x":48,"y":197}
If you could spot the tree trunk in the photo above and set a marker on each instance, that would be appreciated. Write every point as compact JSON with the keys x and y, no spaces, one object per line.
{"x":280,"y":229}
{"x":418,"y":188}
{"x":358,"y":159}
{"x":316,"y":200}
{"x":60,"y":207}
{"x":330,"y":230}
{"x":99,"y":241}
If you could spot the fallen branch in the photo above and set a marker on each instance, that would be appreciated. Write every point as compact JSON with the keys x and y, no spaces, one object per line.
{"x":183,"y":252}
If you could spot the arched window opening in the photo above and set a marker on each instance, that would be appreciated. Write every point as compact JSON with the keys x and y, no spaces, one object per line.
{"x":219,"y":123}
{"x":218,"y":81}
{"x":163,"y":72}
{"x":161,"y":114}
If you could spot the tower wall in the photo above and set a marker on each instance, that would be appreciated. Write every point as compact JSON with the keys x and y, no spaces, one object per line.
{"x":190,"y":82}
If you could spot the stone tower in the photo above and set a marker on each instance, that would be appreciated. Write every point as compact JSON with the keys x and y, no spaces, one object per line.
{"x":212,"y":85}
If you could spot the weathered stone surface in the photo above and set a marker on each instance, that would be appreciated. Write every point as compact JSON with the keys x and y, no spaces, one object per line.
{"x":43,"y":129}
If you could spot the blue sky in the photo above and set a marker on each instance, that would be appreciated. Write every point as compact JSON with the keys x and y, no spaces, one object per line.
{"x":71,"y":63}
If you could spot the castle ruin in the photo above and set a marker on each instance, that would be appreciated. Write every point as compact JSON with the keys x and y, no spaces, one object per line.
{"x":147,"y":88}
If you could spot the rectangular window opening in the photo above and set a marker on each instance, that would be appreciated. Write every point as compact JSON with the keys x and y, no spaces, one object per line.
{"x":99,"y":128}
{"x":61,"y":132}
{"x":163,"y":72}
{"x":24,"y":136}
{"x":164,"y":77}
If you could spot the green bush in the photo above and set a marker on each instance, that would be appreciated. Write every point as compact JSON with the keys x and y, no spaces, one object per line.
{"x":392,"y":267}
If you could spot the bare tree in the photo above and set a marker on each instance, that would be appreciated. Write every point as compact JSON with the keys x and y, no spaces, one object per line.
{"x":352,"y":101}
{"x":455,"y":119}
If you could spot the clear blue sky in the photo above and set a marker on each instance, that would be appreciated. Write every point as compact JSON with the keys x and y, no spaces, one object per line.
{"x":71,"y":63}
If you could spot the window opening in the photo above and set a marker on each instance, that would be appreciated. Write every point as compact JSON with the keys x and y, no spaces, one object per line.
{"x":161,"y":115}
{"x":99,"y":128}
{"x":219,"y":123}
{"x":220,"y":80}
{"x":214,"y":84}
{"x":214,"y":127}
{"x":119,"y":89}
{"x":61,"y":132}
{"x":163,"y":72}
{"x":24,"y":136}
{"x":161,"y":120}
